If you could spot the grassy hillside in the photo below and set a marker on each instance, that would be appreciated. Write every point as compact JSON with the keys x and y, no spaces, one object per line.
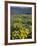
{"x":21,"y":26}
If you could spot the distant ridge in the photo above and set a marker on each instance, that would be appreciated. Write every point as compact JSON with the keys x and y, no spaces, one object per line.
{"x":19,"y":10}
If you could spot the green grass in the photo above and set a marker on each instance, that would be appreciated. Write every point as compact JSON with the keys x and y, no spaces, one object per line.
{"x":21,"y":26}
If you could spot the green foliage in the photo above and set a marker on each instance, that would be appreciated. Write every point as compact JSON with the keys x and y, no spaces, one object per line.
{"x":21,"y":26}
